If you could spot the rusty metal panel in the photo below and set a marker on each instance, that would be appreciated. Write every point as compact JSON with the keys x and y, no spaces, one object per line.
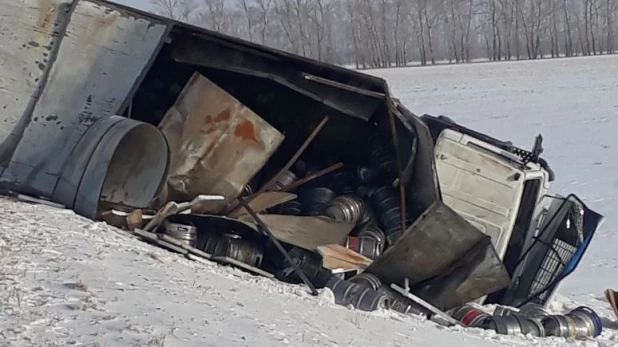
{"x":436,"y":240}
{"x":217,"y":144}
{"x":478,"y":273}
{"x":26,"y":39}
{"x":103,"y":51}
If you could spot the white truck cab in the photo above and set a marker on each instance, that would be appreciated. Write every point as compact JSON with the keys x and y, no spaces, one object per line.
{"x":488,"y":186}
{"x":503,"y":191}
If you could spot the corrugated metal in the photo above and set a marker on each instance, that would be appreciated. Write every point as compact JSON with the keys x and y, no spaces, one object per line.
{"x":26,"y":40}
{"x":102,"y":54}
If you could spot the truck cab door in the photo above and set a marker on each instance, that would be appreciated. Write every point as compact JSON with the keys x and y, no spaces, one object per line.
{"x":482,"y":183}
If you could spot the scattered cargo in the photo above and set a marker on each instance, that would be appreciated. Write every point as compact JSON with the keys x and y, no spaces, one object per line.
{"x":216,"y":149}
{"x":533,"y":319}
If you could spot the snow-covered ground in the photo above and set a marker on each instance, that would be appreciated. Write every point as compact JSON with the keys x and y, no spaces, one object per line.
{"x":67,"y":281}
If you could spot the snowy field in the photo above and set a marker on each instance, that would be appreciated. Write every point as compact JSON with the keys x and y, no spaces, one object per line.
{"x":67,"y":281}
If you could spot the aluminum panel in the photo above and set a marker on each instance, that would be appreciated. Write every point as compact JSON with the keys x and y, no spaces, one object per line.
{"x":102,"y":54}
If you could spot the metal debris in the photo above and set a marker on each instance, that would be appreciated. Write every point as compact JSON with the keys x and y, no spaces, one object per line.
{"x":186,"y":234}
{"x":217,"y":144}
{"x":533,"y":319}
{"x":362,"y":201}
{"x":360,"y":297}
{"x":278,"y":245}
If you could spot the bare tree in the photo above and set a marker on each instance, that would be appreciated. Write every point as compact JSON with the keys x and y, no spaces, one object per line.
{"x":431,"y":11}
{"x":248,"y":14}
{"x":354,"y":25}
{"x":553,"y":29}
{"x":263,"y":11}
{"x":181,"y":10}
{"x":400,"y":33}
{"x":569,"y":49}
{"x":607,"y":24}
{"x":417,"y":23}
{"x":383,"y":33}
{"x":213,"y":16}
{"x":286,"y":16}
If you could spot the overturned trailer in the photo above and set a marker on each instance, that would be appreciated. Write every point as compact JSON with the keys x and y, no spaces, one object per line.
{"x":104,"y":105}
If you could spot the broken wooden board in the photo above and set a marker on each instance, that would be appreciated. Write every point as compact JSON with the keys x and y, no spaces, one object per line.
{"x":192,"y":253}
{"x":216,"y":143}
{"x":177,"y":243}
{"x":152,"y":237}
{"x":264,"y":201}
{"x":170,"y":243}
{"x":197,"y":258}
{"x":115,"y":218}
{"x":338,"y":259}
{"x":304,"y":232}
{"x":135,"y":220}
{"x":239,"y":264}
{"x":169,"y":209}
{"x":172,"y":208}
{"x":612,"y":298}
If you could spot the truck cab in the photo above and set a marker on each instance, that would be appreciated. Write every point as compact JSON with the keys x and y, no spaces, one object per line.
{"x":503,"y":191}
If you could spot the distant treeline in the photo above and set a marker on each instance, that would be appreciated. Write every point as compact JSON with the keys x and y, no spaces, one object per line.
{"x":386,"y":33}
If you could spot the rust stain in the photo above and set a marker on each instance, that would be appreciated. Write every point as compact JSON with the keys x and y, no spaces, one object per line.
{"x":208,"y":119}
{"x":210,"y":122}
{"x":246,"y":131}
{"x":107,"y":20}
{"x":224,"y":115}
{"x":46,"y":15}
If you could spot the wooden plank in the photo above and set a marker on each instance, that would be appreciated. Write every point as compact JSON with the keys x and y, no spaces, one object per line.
{"x":115,"y":218}
{"x":172,"y":247}
{"x":265,"y":229}
{"x":305,"y":232}
{"x":197,"y":258}
{"x":152,"y":237}
{"x":340,"y":259}
{"x":312,"y":177}
{"x":189,"y":249}
{"x":169,"y":209}
{"x":264,"y":201}
{"x":247,"y":267}
{"x":171,"y":243}
{"x":135,"y":219}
